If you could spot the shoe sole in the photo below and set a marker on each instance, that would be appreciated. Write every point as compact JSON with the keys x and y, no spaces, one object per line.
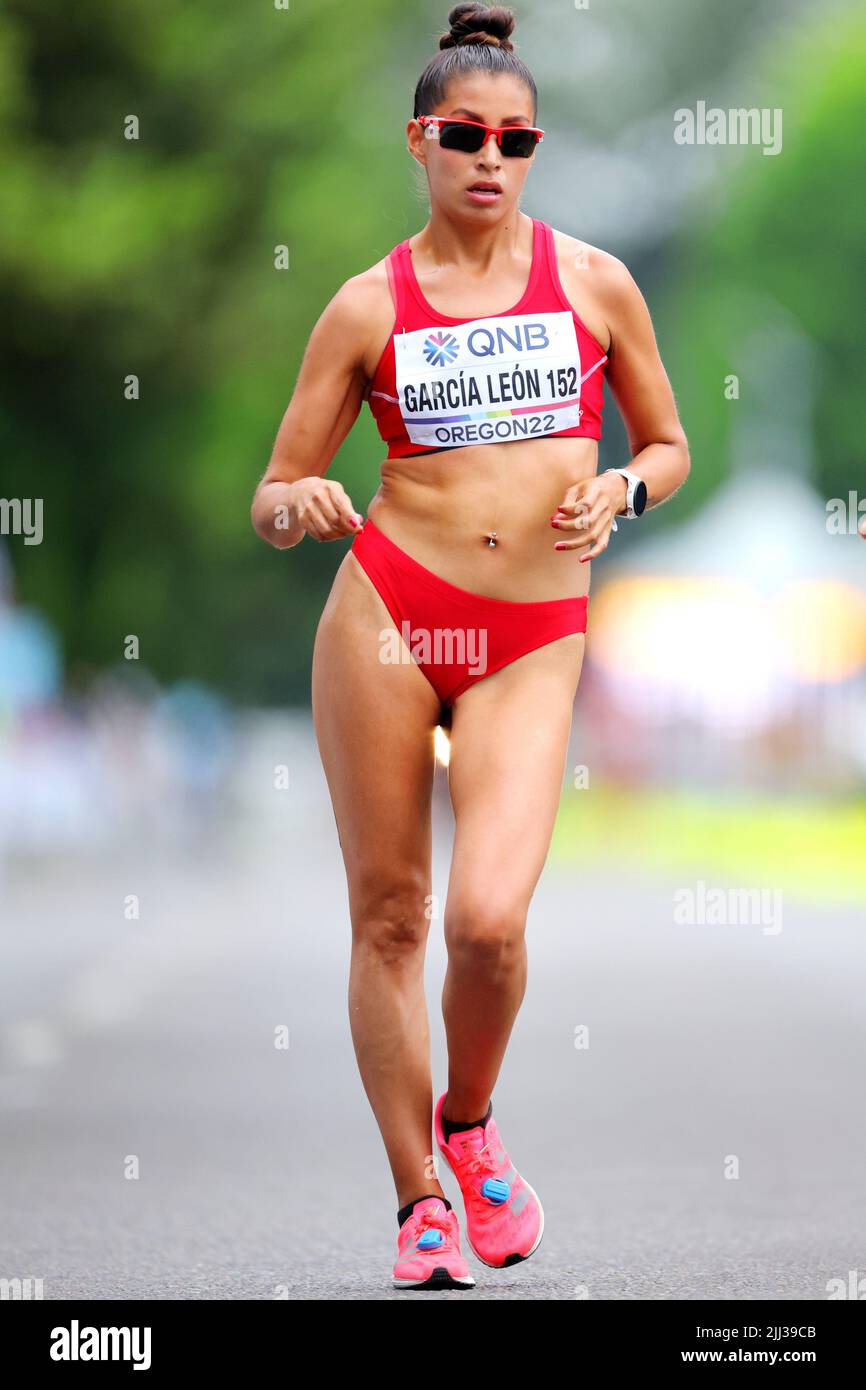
{"x":439,"y":1279}
{"x":509,"y":1260}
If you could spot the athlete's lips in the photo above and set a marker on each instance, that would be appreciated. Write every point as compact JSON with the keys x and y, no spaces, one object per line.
{"x":484,"y":192}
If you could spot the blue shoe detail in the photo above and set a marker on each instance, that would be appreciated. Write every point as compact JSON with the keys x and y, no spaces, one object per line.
{"x":430,"y":1240}
{"x":495,"y":1190}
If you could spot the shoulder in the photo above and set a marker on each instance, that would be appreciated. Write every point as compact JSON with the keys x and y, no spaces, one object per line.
{"x":595,"y":278}
{"x":610,"y":278}
{"x":360,"y":313}
{"x":361,"y":296}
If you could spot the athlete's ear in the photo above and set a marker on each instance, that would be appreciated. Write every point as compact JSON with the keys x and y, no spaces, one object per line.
{"x":415,"y":137}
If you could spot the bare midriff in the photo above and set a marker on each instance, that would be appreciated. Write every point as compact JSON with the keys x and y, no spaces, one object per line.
{"x":443,"y":509}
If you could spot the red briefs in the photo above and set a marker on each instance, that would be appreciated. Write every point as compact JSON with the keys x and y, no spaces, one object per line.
{"x":454,"y":636}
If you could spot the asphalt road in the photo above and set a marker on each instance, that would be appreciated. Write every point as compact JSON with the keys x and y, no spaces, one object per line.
{"x":260,"y":1170}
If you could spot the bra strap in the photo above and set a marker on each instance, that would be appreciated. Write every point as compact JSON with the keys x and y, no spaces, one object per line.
{"x":551,"y":269}
{"x":396,"y":268}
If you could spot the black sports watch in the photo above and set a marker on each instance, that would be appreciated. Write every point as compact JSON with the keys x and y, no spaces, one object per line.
{"x":636,"y":495}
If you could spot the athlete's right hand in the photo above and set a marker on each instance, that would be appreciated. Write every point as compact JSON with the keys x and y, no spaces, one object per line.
{"x":323,"y":507}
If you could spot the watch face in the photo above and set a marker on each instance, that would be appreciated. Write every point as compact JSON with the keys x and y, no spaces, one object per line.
{"x":640,"y":498}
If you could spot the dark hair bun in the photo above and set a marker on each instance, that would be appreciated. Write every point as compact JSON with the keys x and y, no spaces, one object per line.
{"x":479,"y":24}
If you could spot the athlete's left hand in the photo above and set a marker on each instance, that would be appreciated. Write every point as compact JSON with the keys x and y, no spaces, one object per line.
{"x":589,"y":507}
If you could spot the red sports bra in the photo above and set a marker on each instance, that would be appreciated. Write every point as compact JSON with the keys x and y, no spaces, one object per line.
{"x":533,"y":371}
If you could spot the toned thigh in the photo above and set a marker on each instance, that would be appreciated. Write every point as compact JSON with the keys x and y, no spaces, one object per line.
{"x":509,"y":741}
{"x":374,"y":724}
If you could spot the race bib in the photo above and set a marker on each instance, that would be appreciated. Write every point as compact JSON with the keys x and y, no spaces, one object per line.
{"x":490,"y":380}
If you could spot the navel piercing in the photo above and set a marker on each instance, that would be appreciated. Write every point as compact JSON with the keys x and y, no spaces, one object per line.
{"x":491,"y":538}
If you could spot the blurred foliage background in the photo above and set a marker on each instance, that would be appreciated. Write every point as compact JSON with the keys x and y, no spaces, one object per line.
{"x":262,"y":127}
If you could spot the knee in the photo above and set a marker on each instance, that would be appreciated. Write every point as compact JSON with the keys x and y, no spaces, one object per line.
{"x":389,"y":915}
{"x":485,"y":930}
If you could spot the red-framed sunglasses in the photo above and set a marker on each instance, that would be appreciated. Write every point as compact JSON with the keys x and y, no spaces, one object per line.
{"x":459,"y":133}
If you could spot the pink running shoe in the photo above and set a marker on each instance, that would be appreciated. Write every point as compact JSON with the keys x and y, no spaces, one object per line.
{"x":504,"y":1218}
{"x":429,"y":1250}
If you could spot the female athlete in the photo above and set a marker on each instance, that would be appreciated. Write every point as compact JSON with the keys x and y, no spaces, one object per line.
{"x":462,"y":601}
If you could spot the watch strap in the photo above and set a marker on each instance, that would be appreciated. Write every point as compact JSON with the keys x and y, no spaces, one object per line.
{"x":632,"y":481}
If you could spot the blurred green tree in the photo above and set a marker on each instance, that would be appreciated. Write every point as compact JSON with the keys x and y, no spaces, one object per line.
{"x":790,"y":231}
{"x":155,"y":257}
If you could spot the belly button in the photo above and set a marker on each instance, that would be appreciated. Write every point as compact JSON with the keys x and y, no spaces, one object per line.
{"x":491,"y":538}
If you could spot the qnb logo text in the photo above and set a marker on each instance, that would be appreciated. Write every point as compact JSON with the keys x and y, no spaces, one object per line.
{"x":496,"y":342}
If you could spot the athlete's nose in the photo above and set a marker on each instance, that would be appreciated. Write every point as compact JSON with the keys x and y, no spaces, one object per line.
{"x":489,"y":152}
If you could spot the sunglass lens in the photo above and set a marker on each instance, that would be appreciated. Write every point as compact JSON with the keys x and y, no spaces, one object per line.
{"x":457,"y":136}
{"x":519,"y":143}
